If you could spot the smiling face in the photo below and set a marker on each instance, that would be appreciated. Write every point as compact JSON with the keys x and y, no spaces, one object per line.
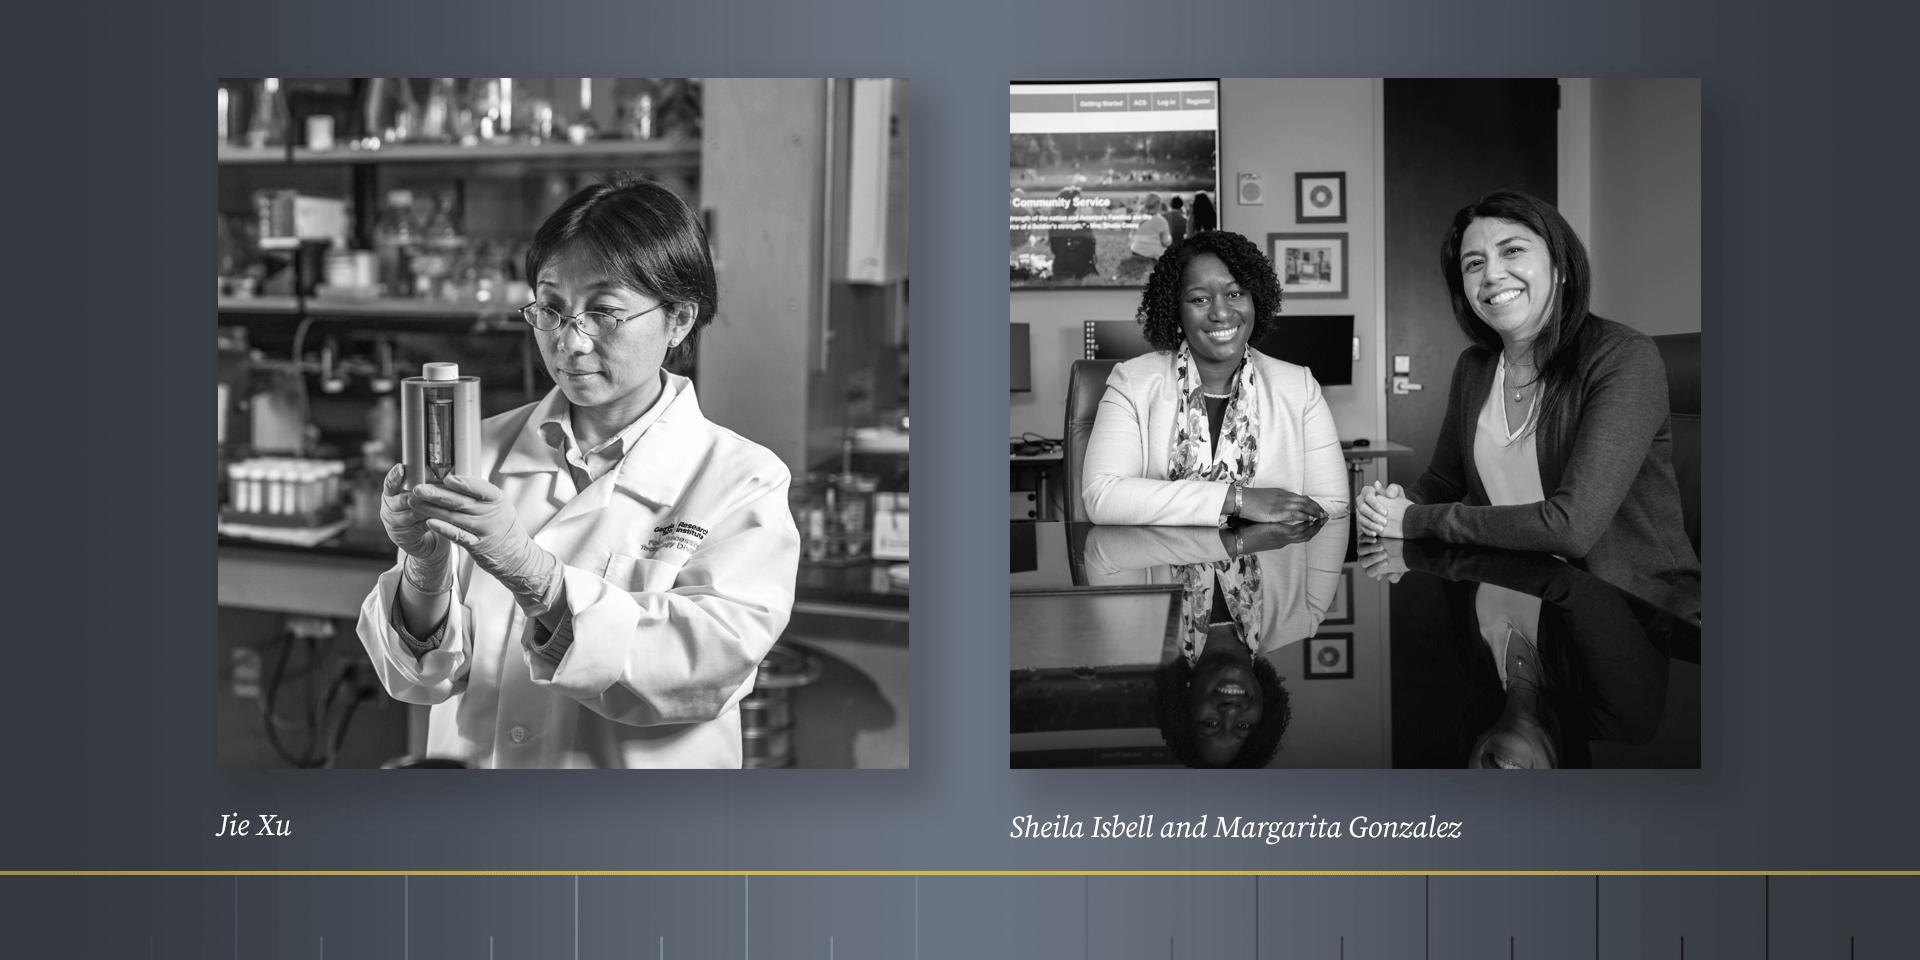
{"x":617,"y":375}
{"x":1224,"y":704}
{"x":1216,"y":315}
{"x":1507,"y":273}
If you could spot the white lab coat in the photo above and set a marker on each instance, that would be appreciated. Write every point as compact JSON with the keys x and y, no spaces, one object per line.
{"x":679,"y":567}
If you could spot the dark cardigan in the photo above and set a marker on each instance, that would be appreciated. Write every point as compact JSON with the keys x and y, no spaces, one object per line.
{"x":1606,"y":464}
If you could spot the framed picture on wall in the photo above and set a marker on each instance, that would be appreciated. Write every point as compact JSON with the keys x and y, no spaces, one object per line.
{"x":1341,"y":609}
{"x":1329,"y":657}
{"x":1311,"y":265}
{"x":1320,"y":197}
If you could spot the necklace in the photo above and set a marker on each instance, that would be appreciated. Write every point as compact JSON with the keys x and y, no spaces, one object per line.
{"x":1231,"y":380}
{"x":1518,"y":395}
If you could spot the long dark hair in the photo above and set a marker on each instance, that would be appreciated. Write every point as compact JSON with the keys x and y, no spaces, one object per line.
{"x":1557,"y":348}
{"x":644,"y":235}
{"x":1203,"y":217}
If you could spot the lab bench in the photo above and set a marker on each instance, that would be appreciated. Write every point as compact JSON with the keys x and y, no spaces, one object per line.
{"x":854,"y":615}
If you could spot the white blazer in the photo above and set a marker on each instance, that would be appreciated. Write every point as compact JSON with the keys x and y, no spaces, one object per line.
{"x":1125,"y":476}
{"x":679,"y":568}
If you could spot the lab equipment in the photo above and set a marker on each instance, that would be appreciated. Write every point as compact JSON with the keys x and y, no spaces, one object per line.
{"x":440,"y":424}
{"x":850,"y":508}
{"x":890,"y":525}
{"x":766,"y":714}
{"x":284,"y":492}
{"x":807,"y":500}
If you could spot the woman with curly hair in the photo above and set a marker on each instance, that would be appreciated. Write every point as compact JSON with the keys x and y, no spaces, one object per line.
{"x":1207,"y":428}
{"x":1218,"y":697}
{"x":1223,"y":708}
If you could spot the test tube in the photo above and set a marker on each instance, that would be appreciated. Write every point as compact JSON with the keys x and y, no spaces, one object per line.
{"x":440,"y":424}
{"x":309,"y":487}
{"x":334,"y":470}
{"x":249,"y":497}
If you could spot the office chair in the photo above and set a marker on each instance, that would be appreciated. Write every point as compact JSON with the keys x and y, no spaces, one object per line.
{"x":1107,"y":343}
{"x":1086,"y":384}
{"x":1680,"y":352}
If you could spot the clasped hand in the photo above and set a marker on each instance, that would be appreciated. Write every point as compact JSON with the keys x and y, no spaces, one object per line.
{"x":1382,"y":509}
{"x":1383,"y":559}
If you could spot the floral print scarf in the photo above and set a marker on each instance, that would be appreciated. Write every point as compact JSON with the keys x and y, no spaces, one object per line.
{"x":1232,"y":460}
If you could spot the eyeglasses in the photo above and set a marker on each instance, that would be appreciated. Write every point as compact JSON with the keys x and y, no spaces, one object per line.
{"x":593,"y":323}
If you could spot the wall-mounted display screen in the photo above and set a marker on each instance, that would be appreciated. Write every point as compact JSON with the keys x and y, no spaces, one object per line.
{"x":1103,"y":177}
{"x":1323,"y":344}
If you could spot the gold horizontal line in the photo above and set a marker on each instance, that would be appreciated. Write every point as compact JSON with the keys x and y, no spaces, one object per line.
{"x":959,"y":873}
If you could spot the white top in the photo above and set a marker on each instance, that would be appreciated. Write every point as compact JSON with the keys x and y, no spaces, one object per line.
{"x":1509,"y":467}
{"x":1506,"y":615}
{"x":1510,"y":470}
{"x":1151,"y":237}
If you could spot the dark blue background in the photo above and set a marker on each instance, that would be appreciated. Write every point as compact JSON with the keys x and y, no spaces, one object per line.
{"x":108,"y":711}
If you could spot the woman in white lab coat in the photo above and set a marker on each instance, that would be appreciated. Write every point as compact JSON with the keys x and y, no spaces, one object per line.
{"x":604,"y":596}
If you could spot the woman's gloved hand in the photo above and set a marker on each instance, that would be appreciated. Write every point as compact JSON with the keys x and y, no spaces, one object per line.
{"x":427,"y":552}
{"x":475,"y":515}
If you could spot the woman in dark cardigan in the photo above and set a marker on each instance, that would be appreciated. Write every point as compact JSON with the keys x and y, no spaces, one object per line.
{"x":1556,"y":436}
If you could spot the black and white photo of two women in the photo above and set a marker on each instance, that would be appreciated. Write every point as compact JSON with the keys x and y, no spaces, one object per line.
{"x":563,"y":422}
{"x":1393,"y":460}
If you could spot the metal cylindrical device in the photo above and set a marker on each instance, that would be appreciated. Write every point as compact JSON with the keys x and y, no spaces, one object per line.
{"x":440,"y":424}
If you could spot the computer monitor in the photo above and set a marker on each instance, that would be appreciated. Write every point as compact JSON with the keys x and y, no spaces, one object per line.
{"x":1115,"y":340}
{"x":1021,"y":374}
{"x":1322,"y":344}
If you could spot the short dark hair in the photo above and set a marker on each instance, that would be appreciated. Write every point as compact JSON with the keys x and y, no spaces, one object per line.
{"x":644,"y":235}
{"x":1170,"y":686}
{"x":1159,"y":313}
{"x":1556,"y":351}
{"x":1176,"y":202}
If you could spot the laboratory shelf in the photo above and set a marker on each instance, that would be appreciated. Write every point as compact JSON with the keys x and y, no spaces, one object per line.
{"x":652,"y":152}
{"x":370,"y":308}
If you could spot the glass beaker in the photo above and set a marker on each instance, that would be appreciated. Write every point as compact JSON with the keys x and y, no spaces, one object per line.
{"x":852,"y":508}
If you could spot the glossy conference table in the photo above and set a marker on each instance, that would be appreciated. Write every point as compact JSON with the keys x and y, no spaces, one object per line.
{"x":1097,"y":610}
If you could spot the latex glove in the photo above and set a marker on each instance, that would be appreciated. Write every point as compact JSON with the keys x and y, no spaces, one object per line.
{"x":427,"y":552}
{"x":1381,"y":510}
{"x":1383,"y":559}
{"x":476,"y":516}
{"x":1274,"y":505}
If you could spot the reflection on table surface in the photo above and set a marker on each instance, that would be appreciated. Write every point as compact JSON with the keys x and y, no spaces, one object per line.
{"x":1511,"y":659}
